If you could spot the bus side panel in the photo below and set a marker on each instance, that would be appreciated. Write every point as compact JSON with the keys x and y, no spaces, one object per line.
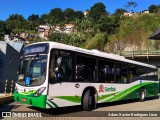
{"x":65,"y":94}
{"x":151,"y":90}
{"x":115,"y":92}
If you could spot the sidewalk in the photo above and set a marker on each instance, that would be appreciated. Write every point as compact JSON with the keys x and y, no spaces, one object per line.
{"x":5,"y":99}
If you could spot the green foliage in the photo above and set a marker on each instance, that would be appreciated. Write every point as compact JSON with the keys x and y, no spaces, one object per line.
{"x":55,"y":36}
{"x":134,"y":31}
{"x":86,"y":24}
{"x":45,"y":18}
{"x":97,"y":10}
{"x":106,"y":24}
{"x":16,"y":22}
{"x":69,"y":14}
{"x":98,"y":30}
{"x":33,"y":18}
{"x":75,"y":39}
{"x":119,"y":11}
{"x":79,"y":15}
{"x":2,"y":29}
{"x":56,"y":16}
{"x":97,"y":42}
{"x":154,"y":8}
{"x":33,"y":22}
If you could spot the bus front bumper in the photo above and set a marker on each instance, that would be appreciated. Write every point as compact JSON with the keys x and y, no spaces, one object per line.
{"x":39,"y":101}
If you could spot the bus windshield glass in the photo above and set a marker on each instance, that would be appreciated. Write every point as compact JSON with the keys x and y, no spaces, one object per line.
{"x":32,"y":70}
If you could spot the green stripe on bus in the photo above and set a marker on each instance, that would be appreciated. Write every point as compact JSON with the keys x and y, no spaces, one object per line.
{"x":49,"y":105}
{"x":76,"y":99}
{"x":128,"y":91}
{"x":53,"y":103}
{"x":102,"y":97}
{"x":28,"y":93}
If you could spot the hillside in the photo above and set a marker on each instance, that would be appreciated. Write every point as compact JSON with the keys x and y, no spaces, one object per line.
{"x":133,"y":34}
{"x":93,"y":29}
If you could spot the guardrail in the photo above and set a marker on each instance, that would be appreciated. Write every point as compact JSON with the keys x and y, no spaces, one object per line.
{"x":144,"y":52}
{"x":6,"y":85}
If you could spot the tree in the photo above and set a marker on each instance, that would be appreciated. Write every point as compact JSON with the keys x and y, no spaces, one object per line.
{"x":2,"y":29}
{"x":131,"y":6}
{"x":33,"y":21}
{"x":69,"y":14}
{"x":106,"y":24}
{"x":33,"y":18}
{"x":153,"y":9}
{"x":119,"y":11}
{"x":16,"y":23}
{"x":55,"y":36}
{"x":79,"y":15}
{"x":56,"y":15}
{"x":87,"y":23}
{"x":45,"y":18}
{"x":97,"y":10}
{"x":97,"y":42}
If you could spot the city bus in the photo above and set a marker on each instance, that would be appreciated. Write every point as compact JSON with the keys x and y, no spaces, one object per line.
{"x":53,"y":75}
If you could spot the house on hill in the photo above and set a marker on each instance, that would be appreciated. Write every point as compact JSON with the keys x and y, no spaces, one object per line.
{"x":44,"y":30}
{"x":69,"y":28}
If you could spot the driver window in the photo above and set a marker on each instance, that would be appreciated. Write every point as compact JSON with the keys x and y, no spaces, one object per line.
{"x":60,"y":66}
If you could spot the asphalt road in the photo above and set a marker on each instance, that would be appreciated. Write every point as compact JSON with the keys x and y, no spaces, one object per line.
{"x":150,"y":107}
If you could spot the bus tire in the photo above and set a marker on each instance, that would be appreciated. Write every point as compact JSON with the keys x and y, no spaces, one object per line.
{"x":88,"y":100}
{"x":95,"y":101}
{"x":142,"y":95}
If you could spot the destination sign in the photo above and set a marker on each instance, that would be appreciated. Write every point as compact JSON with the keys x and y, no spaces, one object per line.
{"x":37,"y":48}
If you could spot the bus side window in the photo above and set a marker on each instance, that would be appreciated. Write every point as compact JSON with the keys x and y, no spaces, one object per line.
{"x":85,"y":68}
{"x":80,"y":69}
{"x":106,"y":71}
{"x":60,"y":67}
{"x":133,"y":73}
{"x":66,"y":68}
{"x":121,"y":73}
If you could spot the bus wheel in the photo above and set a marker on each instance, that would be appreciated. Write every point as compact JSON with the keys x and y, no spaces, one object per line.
{"x":88,"y":101}
{"x":95,"y":101}
{"x":142,"y":95}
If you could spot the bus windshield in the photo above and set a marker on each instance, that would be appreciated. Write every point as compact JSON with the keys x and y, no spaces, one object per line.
{"x":32,"y":70}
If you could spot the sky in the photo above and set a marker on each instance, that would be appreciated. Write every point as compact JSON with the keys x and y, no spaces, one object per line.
{"x":29,"y":7}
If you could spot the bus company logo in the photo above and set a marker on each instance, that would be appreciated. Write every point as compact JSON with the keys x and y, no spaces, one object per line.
{"x":101,"y":88}
{"x":106,"y":89}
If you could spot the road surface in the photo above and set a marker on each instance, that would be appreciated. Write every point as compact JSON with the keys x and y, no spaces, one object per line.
{"x":149,"y":107}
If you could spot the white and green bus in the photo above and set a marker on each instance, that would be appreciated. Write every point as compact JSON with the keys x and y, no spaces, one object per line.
{"x":53,"y":75}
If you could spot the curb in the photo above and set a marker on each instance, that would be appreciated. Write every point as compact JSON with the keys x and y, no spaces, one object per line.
{"x":5,"y":99}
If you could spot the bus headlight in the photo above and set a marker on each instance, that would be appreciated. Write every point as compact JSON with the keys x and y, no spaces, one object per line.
{"x":39,"y":91}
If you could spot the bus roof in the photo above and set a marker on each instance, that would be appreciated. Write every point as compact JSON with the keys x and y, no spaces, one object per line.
{"x":94,"y":53}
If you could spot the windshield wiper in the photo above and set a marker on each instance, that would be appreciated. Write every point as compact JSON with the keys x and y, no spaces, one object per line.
{"x":34,"y":59}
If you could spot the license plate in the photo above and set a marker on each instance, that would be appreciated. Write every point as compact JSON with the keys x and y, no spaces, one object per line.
{"x":24,"y":99}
